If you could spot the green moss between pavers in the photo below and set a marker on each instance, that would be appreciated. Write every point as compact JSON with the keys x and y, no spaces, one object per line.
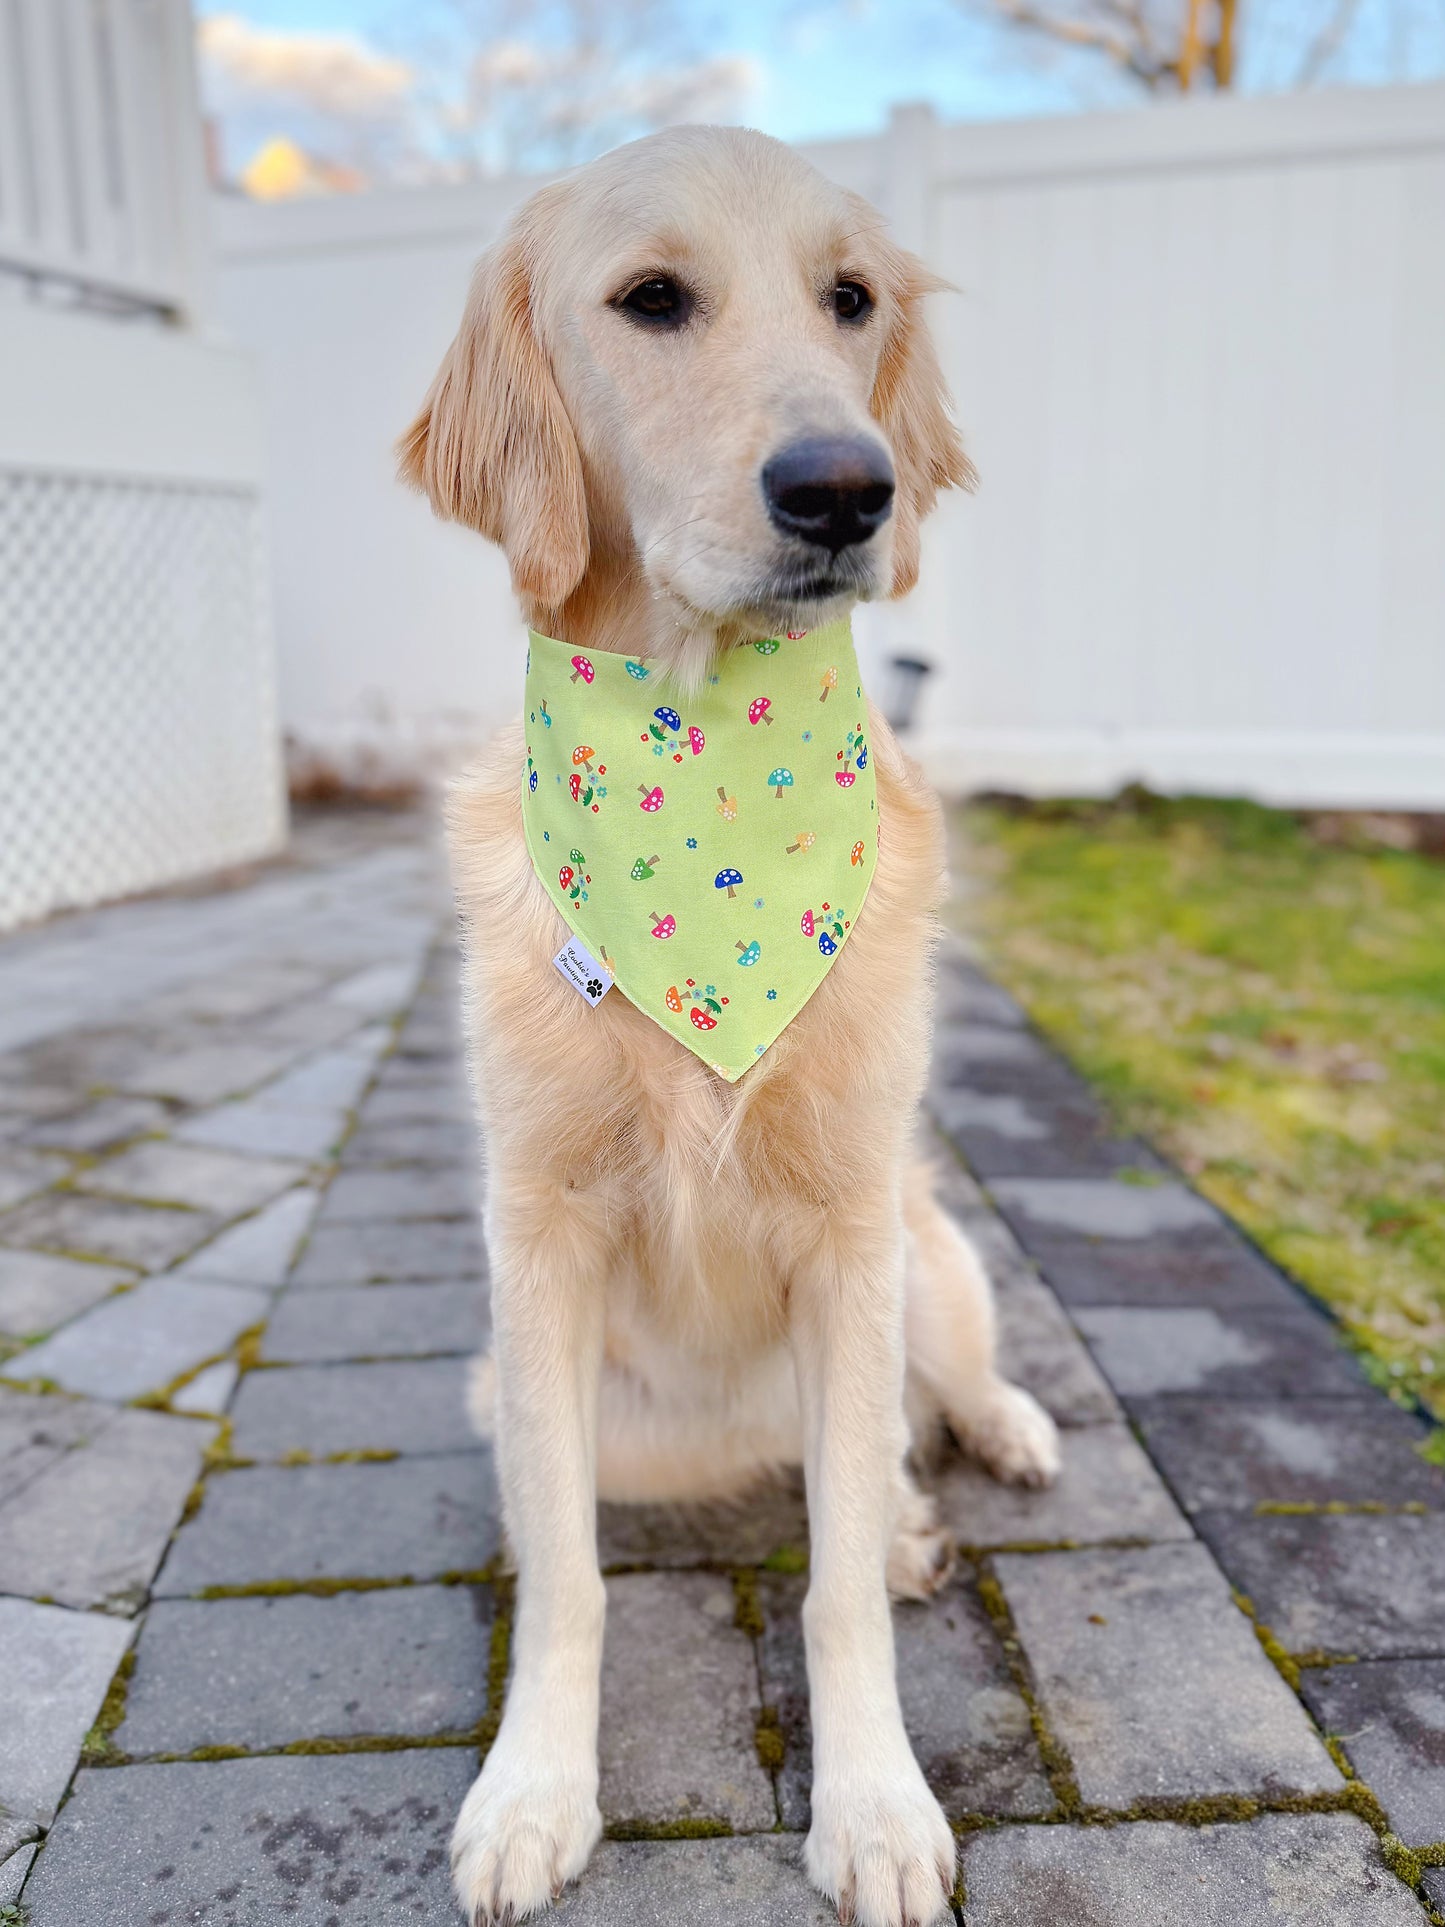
{"x":787,"y":1559}
{"x":768,"y":1742}
{"x":747,"y":1608}
{"x":98,"y":1748}
{"x":1308,"y":1509}
{"x":14,"y":1915}
{"x":701,"y":1828}
{"x":1058,"y":1767}
{"x":1269,"y":1011}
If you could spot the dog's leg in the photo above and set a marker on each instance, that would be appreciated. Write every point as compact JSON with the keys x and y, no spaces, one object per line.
{"x":880,"y":1847}
{"x":531,"y":1818}
{"x":950,"y":1336}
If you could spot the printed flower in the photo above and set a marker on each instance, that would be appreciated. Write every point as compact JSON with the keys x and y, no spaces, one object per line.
{"x":757,"y":903}
{"x":692,"y":842}
{"x":772,"y":996}
{"x":807,"y":735}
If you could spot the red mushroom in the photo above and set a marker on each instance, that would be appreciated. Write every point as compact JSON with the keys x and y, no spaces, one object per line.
{"x":758,"y":710}
{"x":565,"y":876}
{"x":662,"y":926}
{"x":574,"y":784}
{"x":695,"y":740}
{"x":582,"y":757}
{"x":581,"y":667}
{"x":651,"y":799}
{"x":844,"y":778}
{"x":704,"y":1020}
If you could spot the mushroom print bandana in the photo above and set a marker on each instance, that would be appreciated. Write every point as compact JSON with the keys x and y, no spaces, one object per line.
{"x":711,"y":851}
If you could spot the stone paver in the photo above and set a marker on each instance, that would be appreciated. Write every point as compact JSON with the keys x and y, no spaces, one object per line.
{"x":110,"y":1121}
{"x":1390,"y":1715}
{"x":1039,"y":1349}
{"x":1284,"y":1870}
{"x":55,"y":1667}
{"x":209,"y":1392}
{"x":90,"y":1522}
{"x":262,"y":1673}
{"x":250,"y":1843}
{"x":138,"y":1341}
{"x":171,"y":1173}
{"x":358,"y":1254}
{"x":39,"y":1292}
{"x":772,"y":1520}
{"x":1356,"y":1583}
{"x":1213,"y":1269}
{"x":253,"y":1128}
{"x":450,"y":1191}
{"x":376,"y":1321}
{"x":409,"y":1519}
{"x":751,"y":1882}
{"x":1238,"y":1452}
{"x":1107,"y":1489}
{"x":396,"y":1405}
{"x":23,"y":1173}
{"x":13,"y":1869}
{"x":1157,"y":1688}
{"x":969,"y":1726}
{"x":680,"y":1705}
{"x":208,"y":1072}
{"x":416,"y":1141}
{"x":105,"y":1228}
{"x":1100,"y":1208}
{"x":1150,"y":1352}
{"x":259,"y":1250}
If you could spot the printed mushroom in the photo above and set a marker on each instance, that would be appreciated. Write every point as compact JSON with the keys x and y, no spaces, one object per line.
{"x":768,"y":647}
{"x":830,"y":683}
{"x":805,"y":842}
{"x":758,"y":710}
{"x":855,"y":856}
{"x":703,"y":1019}
{"x":662,"y":926}
{"x":780,"y":780}
{"x":546,"y":719}
{"x":565,"y":876}
{"x":696,"y":741}
{"x":673,"y":999}
{"x":750,"y":951}
{"x":643,"y":868}
{"x":583,"y":668}
{"x":574,"y":786}
{"x":826,"y":944}
{"x":582,"y":757}
{"x":669,"y":718}
{"x":727,"y":880}
{"x":844,"y":778}
{"x":637,"y":671}
{"x":807,"y":926}
{"x":651,"y":799}
{"x":727,"y":806}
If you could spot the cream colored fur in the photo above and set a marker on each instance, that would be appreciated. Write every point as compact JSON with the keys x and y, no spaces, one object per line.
{"x":695,"y":1283}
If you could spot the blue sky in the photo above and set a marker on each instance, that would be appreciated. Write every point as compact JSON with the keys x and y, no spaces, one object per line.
{"x":817,"y":69}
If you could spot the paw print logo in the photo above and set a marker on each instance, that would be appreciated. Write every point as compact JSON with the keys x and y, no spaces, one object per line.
{"x":594,"y":986}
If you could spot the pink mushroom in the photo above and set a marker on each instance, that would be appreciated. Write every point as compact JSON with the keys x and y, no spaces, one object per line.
{"x":581,"y":667}
{"x":758,"y":710}
{"x":844,"y":778}
{"x":695,"y":740}
{"x":807,"y":926}
{"x":651,"y":799}
{"x":662,"y":926}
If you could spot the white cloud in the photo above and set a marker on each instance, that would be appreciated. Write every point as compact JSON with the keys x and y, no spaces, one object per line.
{"x":330,"y":73}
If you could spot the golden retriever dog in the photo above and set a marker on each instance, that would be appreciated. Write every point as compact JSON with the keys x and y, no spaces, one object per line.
{"x":695,"y":1283}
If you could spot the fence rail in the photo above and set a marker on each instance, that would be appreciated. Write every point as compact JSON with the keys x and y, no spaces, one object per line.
{"x":101,"y":175}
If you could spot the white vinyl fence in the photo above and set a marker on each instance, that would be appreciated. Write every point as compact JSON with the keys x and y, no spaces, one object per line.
{"x":1199,"y":356}
{"x":138,"y":734}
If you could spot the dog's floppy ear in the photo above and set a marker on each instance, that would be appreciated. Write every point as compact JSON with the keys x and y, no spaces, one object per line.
{"x":911,"y":401}
{"x":492,"y":446}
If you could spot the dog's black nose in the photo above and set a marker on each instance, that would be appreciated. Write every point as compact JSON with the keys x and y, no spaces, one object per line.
{"x":832,"y":490}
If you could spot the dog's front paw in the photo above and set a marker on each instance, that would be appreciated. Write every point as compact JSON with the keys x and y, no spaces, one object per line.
{"x":881,"y":1850}
{"x":1014,"y":1437}
{"x":525,"y":1829}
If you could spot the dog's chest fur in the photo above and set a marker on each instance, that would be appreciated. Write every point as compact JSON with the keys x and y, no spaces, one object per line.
{"x":694,"y":1197}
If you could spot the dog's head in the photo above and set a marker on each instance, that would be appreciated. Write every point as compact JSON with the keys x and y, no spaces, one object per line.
{"x":698,"y":366}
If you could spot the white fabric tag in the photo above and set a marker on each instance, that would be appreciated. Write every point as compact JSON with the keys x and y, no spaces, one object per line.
{"x":587,"y":977}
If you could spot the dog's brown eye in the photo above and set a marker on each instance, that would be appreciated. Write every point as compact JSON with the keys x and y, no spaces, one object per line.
{"x":851,"y":301}
{"x":659,"y":299}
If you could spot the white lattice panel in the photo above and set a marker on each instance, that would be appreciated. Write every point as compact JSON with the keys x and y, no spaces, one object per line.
{"x":138,"y":736}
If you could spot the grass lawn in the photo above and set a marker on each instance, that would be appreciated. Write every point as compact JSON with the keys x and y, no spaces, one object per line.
{"x":1269,"y":1009}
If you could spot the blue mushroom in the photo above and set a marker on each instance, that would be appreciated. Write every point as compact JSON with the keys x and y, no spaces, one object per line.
{"x":862,"y":759}
{"x":826,"y":944}
{"x":669,"y":718}
{"x":727,"y":880}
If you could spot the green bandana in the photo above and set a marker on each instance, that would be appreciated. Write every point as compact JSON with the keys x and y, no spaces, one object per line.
{"x":713,"y":851}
